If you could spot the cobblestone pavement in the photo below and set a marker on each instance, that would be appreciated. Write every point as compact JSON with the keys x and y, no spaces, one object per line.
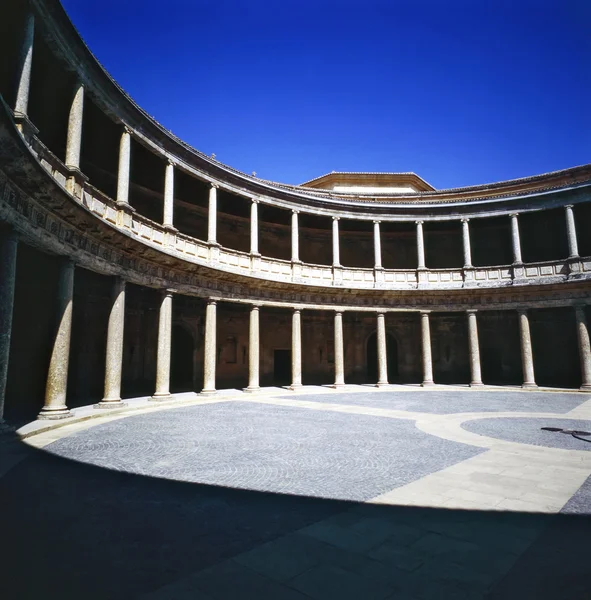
{"x":360,"y":494}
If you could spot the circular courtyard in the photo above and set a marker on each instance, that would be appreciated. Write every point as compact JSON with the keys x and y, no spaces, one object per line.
{"x":316,"y":494}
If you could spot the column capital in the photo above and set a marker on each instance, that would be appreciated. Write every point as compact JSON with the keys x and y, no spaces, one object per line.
{"x":522,"y":311}
{"x":425,"y":313}
{"x":339,"y":312}
{"x":214,"y":186}
{"x":295,"y":211}
{"x":419,"y":222}
{"x":336,"y":218}
{"x":255,"y":200}
{"x":569,"y":206}
{"x":471,"y":311}
{"x":126,"y":129}
{"x":465,"y":220}
{"x":170,"y":162}
{"x":168,"y":292}
{"x":381,"y":313}
{"x":376,"y":222}
{"x":513,"y":215}
{"x":255,"y":307}
{"x":296,"y":311}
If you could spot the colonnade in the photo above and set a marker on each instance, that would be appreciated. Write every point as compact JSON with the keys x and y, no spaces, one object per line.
{"x":55,"y":406}
{"x":72,"y":162}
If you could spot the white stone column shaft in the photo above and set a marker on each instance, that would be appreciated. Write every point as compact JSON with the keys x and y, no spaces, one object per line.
{"x":466,"y":244}
{"x":339,"y":353}
{"x":164,"y":348}
{"x":253,"y":350}
{"x":426,"y":349}
{"x":571,"y":232}
{"x":210,"y":351}
{"x":475,"y":370}
{"x":382,"y":350}
{"x":254,"y":227}
{"x":516,"y":241}
{"x":114,"y":359}
{"x":336,"y":257}
{"x":584,"y":348}
{"x":420,"y":246}
{"x":57,"y":375}
{"x":8,"y":252}
{"x":74,"y":140}
{"x":296,"y":349}
{"x":168,"y":195}
{"x":23,"y":86}
{"x":124,"y":167}
{"x":212,"y":215}
{"x":295,"y":237}
{"x":527,"y":361}
{"x":377,"y":245}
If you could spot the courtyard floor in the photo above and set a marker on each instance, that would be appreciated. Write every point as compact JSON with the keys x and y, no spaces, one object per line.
{"x":360,"y":493}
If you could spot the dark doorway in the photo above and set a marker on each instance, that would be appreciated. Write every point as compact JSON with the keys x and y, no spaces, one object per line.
{"x":181,"y":360}
{"x":372,"y":358}
{"x":492,"y":365}
{"x":282,"y":367}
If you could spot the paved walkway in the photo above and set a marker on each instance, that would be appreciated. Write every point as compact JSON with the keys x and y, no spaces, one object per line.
{"x":360,"y":493}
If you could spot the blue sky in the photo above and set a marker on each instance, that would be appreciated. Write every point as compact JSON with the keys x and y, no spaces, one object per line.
{"x":459,"y":91}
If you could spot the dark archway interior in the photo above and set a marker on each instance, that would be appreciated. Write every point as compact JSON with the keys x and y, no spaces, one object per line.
{"x":372,"y":358}
{"x":181,"y":360}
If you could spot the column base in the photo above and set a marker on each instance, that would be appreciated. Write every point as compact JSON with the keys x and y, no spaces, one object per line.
{"x":530,"y":386}
{"x":382,"y":384}
{"x":586,"y":387}
{"x":295,"y":386}
{"x":63,"y":412}
{"x":160,"y":397}
{"x":427,"y":383}
{"x":107,"y":404}
{"x":251,"y":389}
{"x":337,"y":386}
{"x":170,"y":228}
{"x":476,"y":384}
{"x":208,"y":392}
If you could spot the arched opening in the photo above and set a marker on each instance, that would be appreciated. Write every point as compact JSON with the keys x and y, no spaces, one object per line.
{"x":181,"y":361}
{"x":372,"y":358}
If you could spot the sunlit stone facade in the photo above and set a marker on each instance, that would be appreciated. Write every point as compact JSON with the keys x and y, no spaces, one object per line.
{"x":132,"y":264}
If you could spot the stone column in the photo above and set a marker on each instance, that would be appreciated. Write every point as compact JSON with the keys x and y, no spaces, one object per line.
{"x":114,"y":360}
{"x":123,"y":171}
{"x":377,"y":245}
{"x":382,"y":351}
{"x":295,"y":237}
{"x":210,"y":352}
{"x":21,"y":103}
{"x":475,"y":371}
{"x":57,"y":376}
{"x":420,"y":246}
{"x":296,"y":350}
{"x":164,"y":343}
{"x":8,"y":250}
{"x":466,"y":244}
{"x":527,"y":361}
{"x":168,"y":219}
{"x":336,"y":259}
{"x":584,"y":348}
{"x":516,"y":241}
{"x":74,"y":140}
{"x":426,"y":346}
{"x":339,"y":353}
{"x":571,"y":232}
{"x":254,"y":227}
{"x":212,"y":215}
{"x":253,"y":351}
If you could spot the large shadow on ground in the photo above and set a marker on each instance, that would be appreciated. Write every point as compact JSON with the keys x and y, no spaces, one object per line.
{"x":72,"y":530}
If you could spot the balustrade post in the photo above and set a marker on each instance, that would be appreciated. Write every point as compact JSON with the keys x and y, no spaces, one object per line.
{"x":57,"y":375}
{"x":8,"y":252}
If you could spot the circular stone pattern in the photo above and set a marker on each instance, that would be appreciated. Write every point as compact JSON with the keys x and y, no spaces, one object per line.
{"x":277,"y":449}
{"x":525,"y":430}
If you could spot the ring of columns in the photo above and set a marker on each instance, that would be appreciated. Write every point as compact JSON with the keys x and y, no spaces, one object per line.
{"x":50,"y":202}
